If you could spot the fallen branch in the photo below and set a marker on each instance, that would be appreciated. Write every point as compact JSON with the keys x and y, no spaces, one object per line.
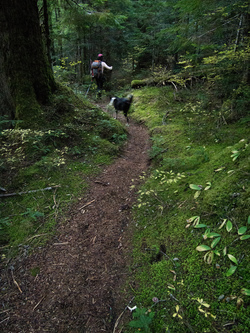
{"x":102,"y":183}
{"x":4,"y":320}
{"x":174,"y":85}
{"x":15,"y":282}
{"x":38,"y":303}
{"x":36,"y":236}
{"x":87,"y":204}
{"x":27,"y":192}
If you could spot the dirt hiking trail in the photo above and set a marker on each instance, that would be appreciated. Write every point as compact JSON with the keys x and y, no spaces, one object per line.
{"x":80,"y":284}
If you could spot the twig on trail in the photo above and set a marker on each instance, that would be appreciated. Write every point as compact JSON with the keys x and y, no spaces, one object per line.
{"x":35,"y":237}
{"x":27,"y":192}
{"x":38,"y":303}
{"x":182,"y":204}
{"x":87,"y":204}
{"x":102,"y":183}
{"x":15,"y":282}
{"x":65,"y":243}
{"x":4,"y":320}
{"x":118,"y":319}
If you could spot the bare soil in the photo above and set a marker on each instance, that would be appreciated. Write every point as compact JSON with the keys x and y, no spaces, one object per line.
{"x":80,"y":285}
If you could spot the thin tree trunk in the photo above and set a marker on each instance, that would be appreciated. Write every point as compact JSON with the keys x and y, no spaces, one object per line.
{"x":46,"y":30}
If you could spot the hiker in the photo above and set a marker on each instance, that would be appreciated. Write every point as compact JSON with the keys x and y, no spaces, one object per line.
{"x":97,"y":68}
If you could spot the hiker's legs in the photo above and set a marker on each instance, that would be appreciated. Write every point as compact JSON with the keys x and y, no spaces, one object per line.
{"x":99,"y":81}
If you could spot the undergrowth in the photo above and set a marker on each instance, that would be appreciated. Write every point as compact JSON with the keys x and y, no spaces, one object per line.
{"x":192,"y":224}
{"x":47,"y":168}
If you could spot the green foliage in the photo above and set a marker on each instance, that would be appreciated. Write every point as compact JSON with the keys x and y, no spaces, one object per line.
{"x":216,"y":238}
{"x":142,"y":320}
{"x":66,"y":71}
{"x":60,"y":158}
{"x":191,"y":241}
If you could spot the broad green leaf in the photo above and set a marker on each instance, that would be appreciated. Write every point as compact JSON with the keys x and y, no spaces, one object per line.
{"x":206,"y":233}
{"x":205,"y":304}
{"x":212,"y":235}
{"x":201,"y":310}
{"x":232,"y":258}
{"x":200,"y":225}
{"x":242,"y":230}
{"x":215,"y":242}
{"x":245,"y":291}
{"x":231,"y":270}
{"x":223,"y":223}
{"x":225,"y":251}
{"x":217,"y":252}
{"x":235,"y":154}
{"x":208,"y":186}
{"x":201,"y":248}
{"x":220,"y":169}
{"x":244,"y":237}
{"x":229,"y":226}
{"x":170,"y":286}
{"x":193,"y":218}
{"x":208,"y":257}
{"x":195,"y":187}
{"x":197,"y":194}
{"x":196,"y":221}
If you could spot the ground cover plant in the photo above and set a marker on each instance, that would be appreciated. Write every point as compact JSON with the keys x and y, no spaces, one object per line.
{"x":45,"y":168}
{"x":192,"y":224}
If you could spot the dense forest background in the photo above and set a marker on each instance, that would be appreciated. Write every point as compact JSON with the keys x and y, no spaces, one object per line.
{"x":187,"y":63}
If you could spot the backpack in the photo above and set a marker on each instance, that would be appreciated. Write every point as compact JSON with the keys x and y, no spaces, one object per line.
{"x":96,"y":68}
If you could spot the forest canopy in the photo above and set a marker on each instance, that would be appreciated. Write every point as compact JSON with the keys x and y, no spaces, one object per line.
{"x":202,"y":40}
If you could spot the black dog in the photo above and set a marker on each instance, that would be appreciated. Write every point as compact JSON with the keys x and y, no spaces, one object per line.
{"x":122,"y":104}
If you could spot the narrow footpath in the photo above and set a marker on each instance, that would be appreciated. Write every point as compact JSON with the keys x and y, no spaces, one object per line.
{"x":79,"y":287}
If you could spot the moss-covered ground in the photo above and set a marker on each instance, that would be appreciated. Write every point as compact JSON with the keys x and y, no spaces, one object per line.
{"x":192,"y":225}
{"x":69,"y":143}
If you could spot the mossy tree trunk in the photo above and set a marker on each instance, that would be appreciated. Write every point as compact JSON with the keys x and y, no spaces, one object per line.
{"x":25,"y":72}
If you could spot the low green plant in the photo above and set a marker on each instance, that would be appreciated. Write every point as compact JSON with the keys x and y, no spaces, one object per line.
{"x":163,"y":179}
{"x":4,"y":225}
{"x":216,"y":238}
{"x":199,"y":188}
{"x":237,"y":153}
{"x":142,"y":319}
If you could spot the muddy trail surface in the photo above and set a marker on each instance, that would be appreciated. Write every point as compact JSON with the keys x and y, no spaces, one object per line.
{"x":79,"y":285}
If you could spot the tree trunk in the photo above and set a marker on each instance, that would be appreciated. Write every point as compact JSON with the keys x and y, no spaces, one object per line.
{"x":24,"y":68}
{"x":46,"y":30}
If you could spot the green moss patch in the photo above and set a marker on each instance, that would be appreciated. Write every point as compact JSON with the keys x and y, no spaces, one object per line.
{"x":191,"y":243}
{"x":50,"y":166}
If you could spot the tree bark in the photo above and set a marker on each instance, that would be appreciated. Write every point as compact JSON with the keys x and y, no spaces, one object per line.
{"x":46,"y":30}
{"x":24,"y":68}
